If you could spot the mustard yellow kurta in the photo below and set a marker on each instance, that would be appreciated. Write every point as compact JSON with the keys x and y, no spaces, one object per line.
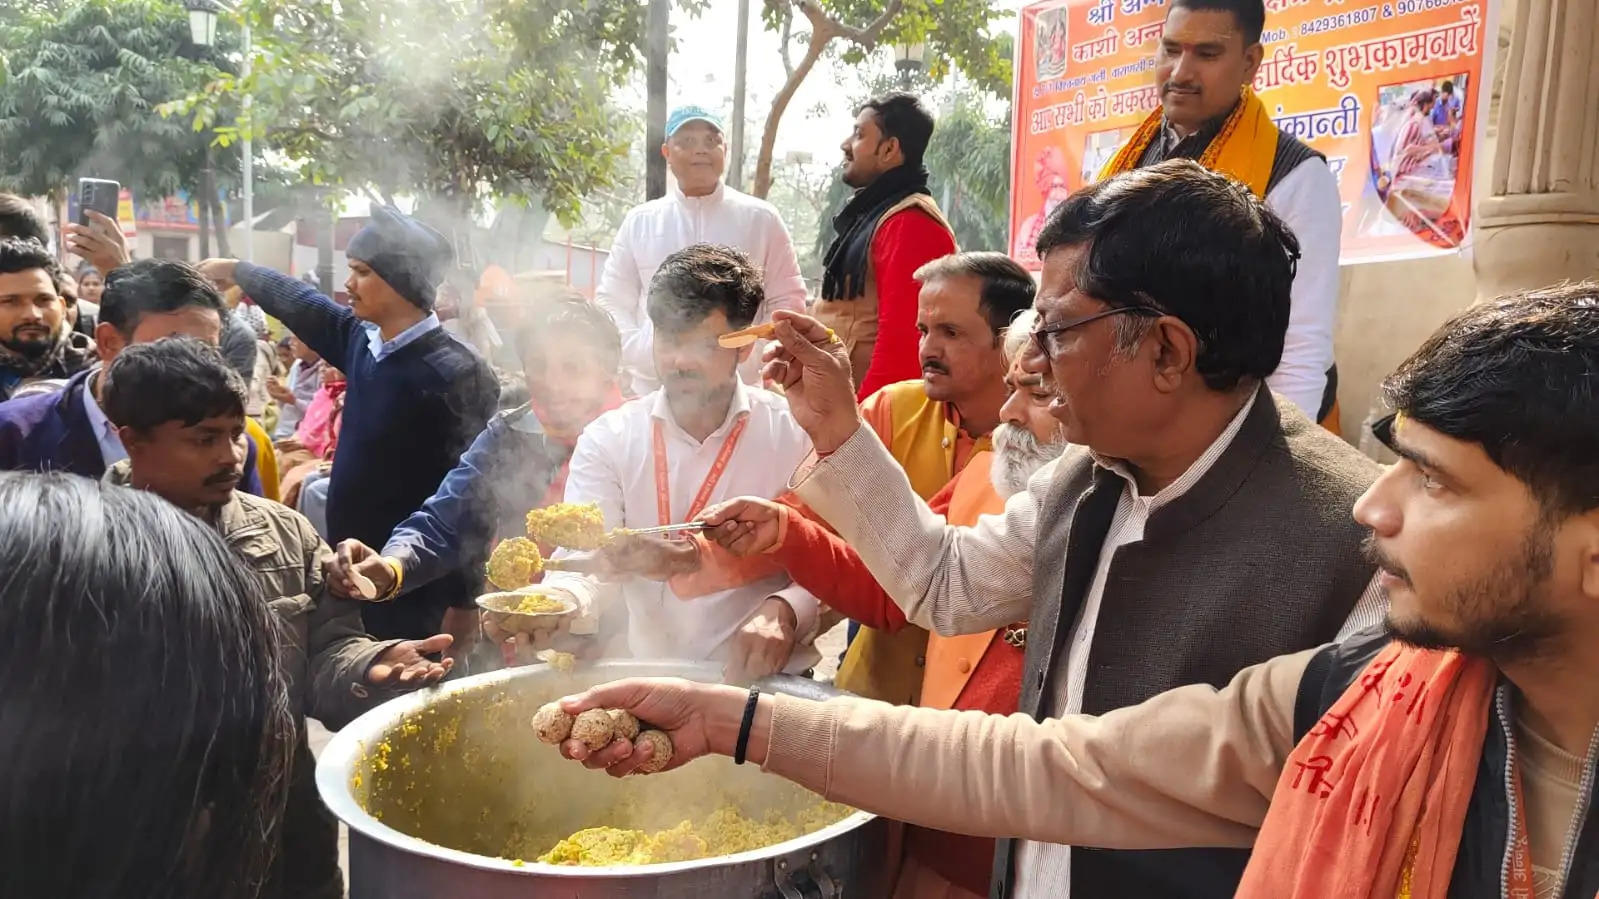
{"x":926,"y":439}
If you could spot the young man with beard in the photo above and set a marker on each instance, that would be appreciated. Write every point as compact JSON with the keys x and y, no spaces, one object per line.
{"x":1452,"y":753}
{"x":972,"y":671}
{"x":179,"y":409}
{"x":35,"y":342}
{"x":890,"y":228}
{"x":65,"y":429}
{"x":1210,"y":53}
{"x":416,"y":397}
{"x":1195,"y":527}
{"x":702,"y":437}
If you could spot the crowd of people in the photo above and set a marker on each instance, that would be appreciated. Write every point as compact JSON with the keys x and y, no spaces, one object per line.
{"x":1125,"y":618}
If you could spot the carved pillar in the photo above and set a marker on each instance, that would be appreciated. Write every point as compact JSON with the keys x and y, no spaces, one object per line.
{"x":1538,"y":222}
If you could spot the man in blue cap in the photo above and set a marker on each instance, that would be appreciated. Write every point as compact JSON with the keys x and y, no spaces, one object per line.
{"x":417,"y":397}
{"x":697,"y":208}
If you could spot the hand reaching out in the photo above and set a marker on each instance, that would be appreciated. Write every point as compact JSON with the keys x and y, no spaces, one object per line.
{"x":699,"y":718}
{"x":746,"y":525}
{"x":813,"y":368}
{"x":406,"y":664}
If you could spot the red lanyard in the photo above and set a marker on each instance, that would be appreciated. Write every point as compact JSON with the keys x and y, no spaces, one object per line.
{"x":1519,"y":880}
{"x":663,"y":486}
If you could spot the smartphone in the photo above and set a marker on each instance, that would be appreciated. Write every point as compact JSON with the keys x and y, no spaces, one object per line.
{"x":98,"y":195}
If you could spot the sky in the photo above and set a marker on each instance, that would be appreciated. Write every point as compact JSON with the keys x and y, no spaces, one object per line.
{"x":700,"y":71}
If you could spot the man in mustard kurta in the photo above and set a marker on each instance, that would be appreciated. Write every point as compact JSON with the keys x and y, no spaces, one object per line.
{"x":935,"y":425}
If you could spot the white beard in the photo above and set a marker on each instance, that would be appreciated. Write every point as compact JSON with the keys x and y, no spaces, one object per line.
{"x":1017,"y":457}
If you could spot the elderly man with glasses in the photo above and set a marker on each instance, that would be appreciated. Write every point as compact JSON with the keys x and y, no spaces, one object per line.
{"x":1199,"y":524}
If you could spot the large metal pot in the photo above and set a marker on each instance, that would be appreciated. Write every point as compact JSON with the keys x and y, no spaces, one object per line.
{"x":458,"y":765}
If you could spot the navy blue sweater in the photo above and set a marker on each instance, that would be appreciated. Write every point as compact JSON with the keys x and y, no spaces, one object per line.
{"x":407,"y":419}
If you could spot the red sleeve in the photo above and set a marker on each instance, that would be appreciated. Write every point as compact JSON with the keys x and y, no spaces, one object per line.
{"x":824,"y":564}
{"x":903,"y":244}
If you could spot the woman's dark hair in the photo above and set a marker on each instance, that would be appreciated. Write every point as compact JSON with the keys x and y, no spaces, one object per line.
{"x":1007,"y":287}
{"x":18,"y":254}
{"x":145,"y":730}
{"x":571,"y":317}
{"x":172,"y":379}
{"x":1519,"y":377}
{"x":1195,"y":245}
{"x":148,"y":286}
{"x":700,"y":279}
{"x":902,"y":116}
{"x":1249,"y":14}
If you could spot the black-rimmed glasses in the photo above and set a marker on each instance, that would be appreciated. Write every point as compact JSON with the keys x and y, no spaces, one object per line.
{"x":1046,"y":342}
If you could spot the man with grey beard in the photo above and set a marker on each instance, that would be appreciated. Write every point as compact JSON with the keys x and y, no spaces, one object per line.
{"x":981,"y":670}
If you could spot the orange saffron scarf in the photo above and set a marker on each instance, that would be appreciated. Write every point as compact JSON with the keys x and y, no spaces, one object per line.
{"x":1372,"y":801}
{"x":1243,"y":149}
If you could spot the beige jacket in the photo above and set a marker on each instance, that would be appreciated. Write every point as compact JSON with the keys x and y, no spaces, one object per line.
{"x":1013,"y":776}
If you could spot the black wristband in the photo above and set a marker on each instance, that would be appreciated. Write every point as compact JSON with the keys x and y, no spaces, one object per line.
{"x":745,"y":725}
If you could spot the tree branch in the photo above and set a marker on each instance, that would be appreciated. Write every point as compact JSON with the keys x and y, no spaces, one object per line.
{"x":866,"y":36}
{"x":788,"y":31}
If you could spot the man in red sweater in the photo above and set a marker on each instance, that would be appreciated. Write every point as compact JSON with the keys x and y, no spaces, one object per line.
{"x":973,"y":671}
{"x":887,"y":231}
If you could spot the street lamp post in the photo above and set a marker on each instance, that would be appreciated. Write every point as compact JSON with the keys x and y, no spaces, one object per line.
{"x":203,"y":32}
{"x":909,"y":58}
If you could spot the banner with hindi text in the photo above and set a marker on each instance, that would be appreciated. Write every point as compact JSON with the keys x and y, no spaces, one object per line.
{"x":1391,"y":92}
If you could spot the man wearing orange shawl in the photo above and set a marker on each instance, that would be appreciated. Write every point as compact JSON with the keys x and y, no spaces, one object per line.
{"x":1448,"y":755}
{"x":1209,"y":55}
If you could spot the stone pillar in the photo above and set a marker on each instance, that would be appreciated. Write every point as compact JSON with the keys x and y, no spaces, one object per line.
{"x":1538,"y":222}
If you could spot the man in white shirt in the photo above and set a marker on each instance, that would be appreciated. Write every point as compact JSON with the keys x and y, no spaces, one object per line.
{"x":1197,"y":526}
{"x":698,"y":208}
{"x":702,"y":437}
{"x":1210,"y":53}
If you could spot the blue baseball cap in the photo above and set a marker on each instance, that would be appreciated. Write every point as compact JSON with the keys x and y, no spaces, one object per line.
{"x":684,"y":114}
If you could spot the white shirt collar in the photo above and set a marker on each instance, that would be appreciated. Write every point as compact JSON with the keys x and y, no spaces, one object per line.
{"x":714,"y":196}
{"x":661,"y":409}
{"x":381,"y":348}
{"x":1197,"y":470}
{"x":105,"y":433}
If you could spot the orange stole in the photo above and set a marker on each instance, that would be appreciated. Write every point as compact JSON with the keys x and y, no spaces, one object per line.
{"x":951,"y":660}
{"x":1243,"y":150}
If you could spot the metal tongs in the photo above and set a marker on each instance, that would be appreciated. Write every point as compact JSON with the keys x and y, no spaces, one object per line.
{"x":661,"y":529}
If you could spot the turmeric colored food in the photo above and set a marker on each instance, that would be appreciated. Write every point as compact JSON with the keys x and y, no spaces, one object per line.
{"x":723,"y":832}
{"x":514,"y":563}
{"x":572,"y":525}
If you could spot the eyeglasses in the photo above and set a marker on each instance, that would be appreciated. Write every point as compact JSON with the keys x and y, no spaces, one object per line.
{"x":1049,"y":345}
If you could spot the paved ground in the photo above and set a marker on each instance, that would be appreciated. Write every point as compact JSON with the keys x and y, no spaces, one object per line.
{"x":830,"y":644}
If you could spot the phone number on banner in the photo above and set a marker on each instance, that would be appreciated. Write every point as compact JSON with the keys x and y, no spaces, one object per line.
{"x":1349,"y":19}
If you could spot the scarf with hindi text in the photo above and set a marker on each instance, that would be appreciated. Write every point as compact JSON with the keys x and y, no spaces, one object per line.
{"x":844,"y":266}
{"x":1372,"y":801}
{"x":1244,"y":149}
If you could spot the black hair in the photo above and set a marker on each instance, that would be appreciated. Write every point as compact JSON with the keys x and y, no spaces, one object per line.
{"x":571,"y":317}
{"x":149,"y":286}
{"x":1007,"y":288}
{"x":1447,"y":87}
{"x":144,"y":721}
{"x":172,"y":379}
{"x":698,"y":280}
{"x":1192,"y":244}
{"x":902,"y":116}
{"x":21,"y":254}
{"x":17,"y":219}
{"x":1249,"y":14}
{"x":1517,"y":376}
